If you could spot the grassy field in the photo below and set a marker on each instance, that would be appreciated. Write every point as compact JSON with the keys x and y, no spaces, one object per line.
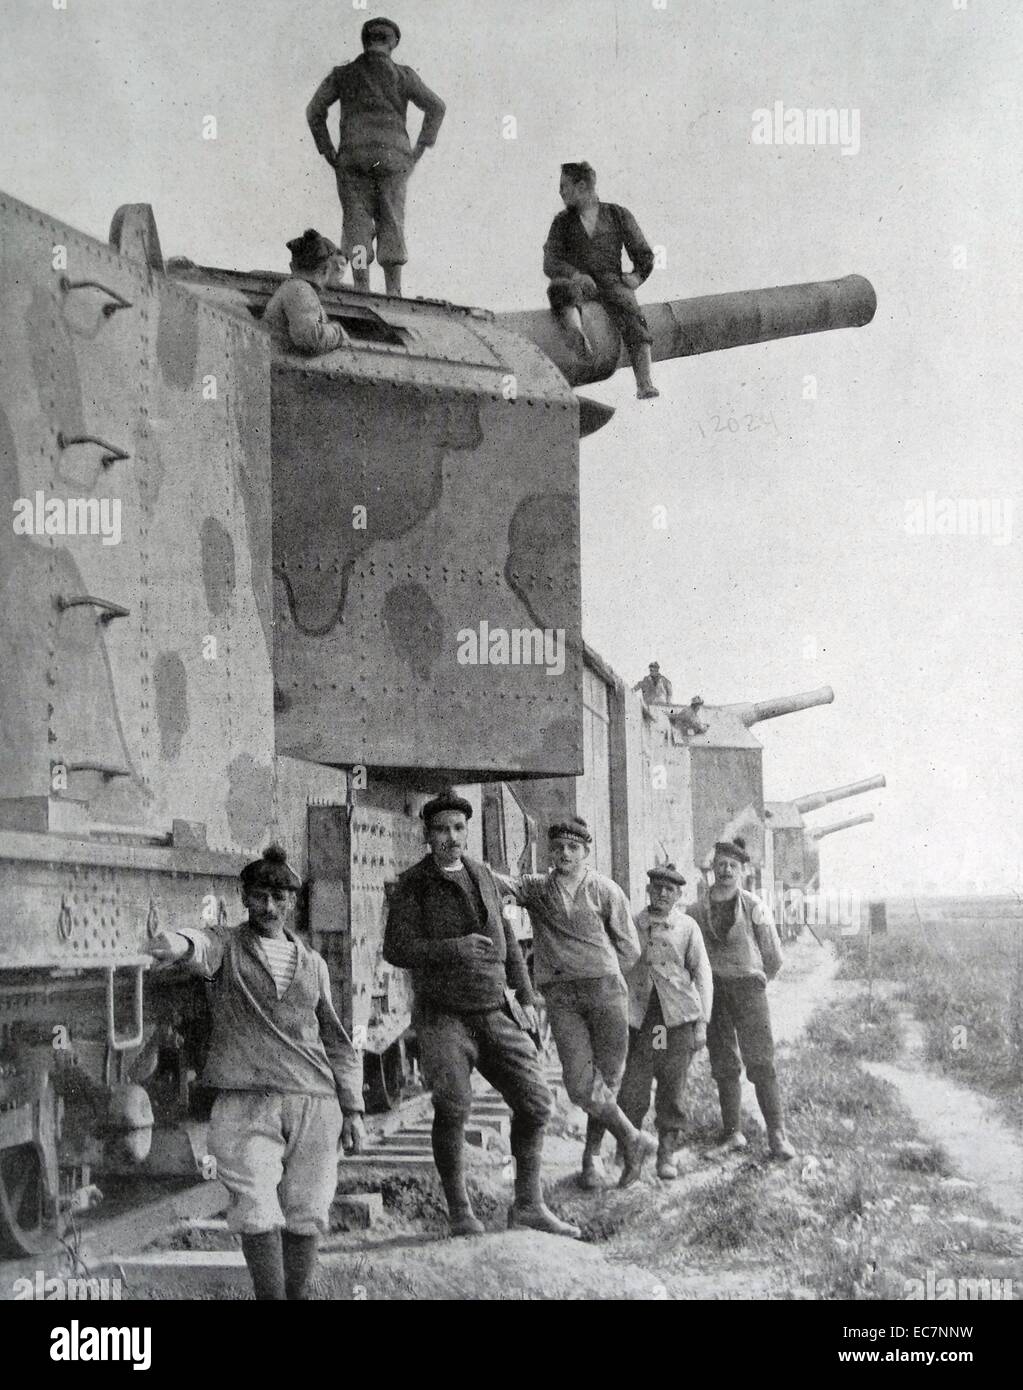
{"x":958,"y":967}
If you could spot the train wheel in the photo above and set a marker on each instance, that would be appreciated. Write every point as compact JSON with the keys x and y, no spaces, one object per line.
{"x":23,"y":1228}
{"x":384,"y":1076}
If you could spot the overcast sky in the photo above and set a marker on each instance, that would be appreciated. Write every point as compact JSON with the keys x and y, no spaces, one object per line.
{"x":786,"y":563}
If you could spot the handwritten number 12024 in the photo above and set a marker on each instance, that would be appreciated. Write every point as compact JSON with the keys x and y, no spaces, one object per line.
{"x":743,"y":424}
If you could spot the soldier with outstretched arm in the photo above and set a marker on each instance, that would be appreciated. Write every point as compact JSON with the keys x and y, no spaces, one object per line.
{"x":445,"y":924}
{"x":583,"y":939}
{"x":288,"y":1079}
{"x":744,"y":950}
{"x":374,"y":157}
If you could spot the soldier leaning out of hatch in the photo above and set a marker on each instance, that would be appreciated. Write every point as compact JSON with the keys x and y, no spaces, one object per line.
{"x":294,"y":313}
{"x":473,"y":1007}
{"x":582,"y":257}
{"x":374,"y":158}
{"x":583,"y":939}
{"x":671,"y":991}
{"x":289,"y":1081}
{"x":742,"y":943}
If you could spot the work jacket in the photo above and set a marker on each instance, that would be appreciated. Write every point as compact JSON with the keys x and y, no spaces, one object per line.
{"x":749,"y":947}
{"x":261,"y":1043}
{"x":596,"y":937}
{"x":373,"y":93}
{"x":674,"y":963}
{"x":428,"y":911}
{"x":298,"y":320}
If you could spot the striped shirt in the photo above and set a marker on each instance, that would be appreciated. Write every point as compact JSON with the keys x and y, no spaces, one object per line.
{"x":281,"y":956}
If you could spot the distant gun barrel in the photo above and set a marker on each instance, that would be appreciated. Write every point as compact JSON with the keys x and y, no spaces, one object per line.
{"x":835,"y":826}
{"x":814,"y":800}
{"x":708,"y":323}
{"x":785,"y":704}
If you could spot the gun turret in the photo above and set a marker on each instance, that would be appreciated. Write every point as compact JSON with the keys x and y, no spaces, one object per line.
{"x":708,"y":323}
{"x":813,"y":801}
{"x":835,"y":826}
{"x":785,"y":704}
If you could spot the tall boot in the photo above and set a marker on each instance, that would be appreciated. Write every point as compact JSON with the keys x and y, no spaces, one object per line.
{"x":592,"y":1175}
{"x":392,"y":280}
{"x":732,"y":1137}
{"x":266,"y":1265}
{"x":666,"y":1166}
{"x":360,"y":279}
{"x":299,"y":1263}
{"x":769,"y":1097}
{"x":634,"y":1144}
{"x":529,"y":1209}
{"x":640,"y":356}
{"x":449,"y":1155}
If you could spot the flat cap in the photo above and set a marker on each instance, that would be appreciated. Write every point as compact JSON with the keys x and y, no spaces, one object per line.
{"x":380,"y":23}
{"x":734,"y":849}
{"x":574,"y":828}
{"x":447,"y":801}
{"x":665,"y":873}
{"x":272,"y":870}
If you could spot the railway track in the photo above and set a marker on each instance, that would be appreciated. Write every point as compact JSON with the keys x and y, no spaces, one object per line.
{"x":109,"y":1240}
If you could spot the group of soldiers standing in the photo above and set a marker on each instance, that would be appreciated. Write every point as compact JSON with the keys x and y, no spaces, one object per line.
{"x":630,"y":1003}
{"x":372,"y":162}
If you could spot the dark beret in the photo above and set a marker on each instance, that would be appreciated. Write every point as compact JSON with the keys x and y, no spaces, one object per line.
{"x":734,"y":849}
{"x":574,"y":828}
{"x":447,"y":801}
{"x":271,"y":871}
{"x":381,"y":23}
{"x":665,"y":873}
{"x":311,"y":249}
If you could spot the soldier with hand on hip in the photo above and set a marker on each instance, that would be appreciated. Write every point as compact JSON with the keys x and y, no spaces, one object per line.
{"x":374,"y":157}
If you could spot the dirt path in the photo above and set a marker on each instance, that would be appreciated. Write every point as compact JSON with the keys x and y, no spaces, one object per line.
{"x":966,"y":1124}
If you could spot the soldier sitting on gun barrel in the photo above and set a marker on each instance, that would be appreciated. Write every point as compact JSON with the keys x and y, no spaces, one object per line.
{"x":742,"y":943}
{"x":294,"y":313}
{"x":583,"y":259}
{"x":670,"y":995}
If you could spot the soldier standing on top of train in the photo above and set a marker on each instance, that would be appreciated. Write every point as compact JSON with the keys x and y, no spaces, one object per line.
{"x":374,"y":158}
{"x":583,"y":939}
{"x":670,"y":996}
{"x":445,"y":924}
{"x":742,"y":943}
{"x":281,"y":1061}
{"x":582,"y":257}
{"x":294,"y":313}
{"x":655,"y":688}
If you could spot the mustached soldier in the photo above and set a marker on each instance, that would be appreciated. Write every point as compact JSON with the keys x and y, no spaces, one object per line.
{"x":445,"y":924}
{"x":670,"y":995}
{"x":744,"y":950}
{"x":281,"y":1062}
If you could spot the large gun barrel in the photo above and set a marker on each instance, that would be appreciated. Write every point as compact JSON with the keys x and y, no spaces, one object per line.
{"x":708,"y":323}
{"x":785,"y":704}
{"x":837,"y":825}
{"x":814,"y":800}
